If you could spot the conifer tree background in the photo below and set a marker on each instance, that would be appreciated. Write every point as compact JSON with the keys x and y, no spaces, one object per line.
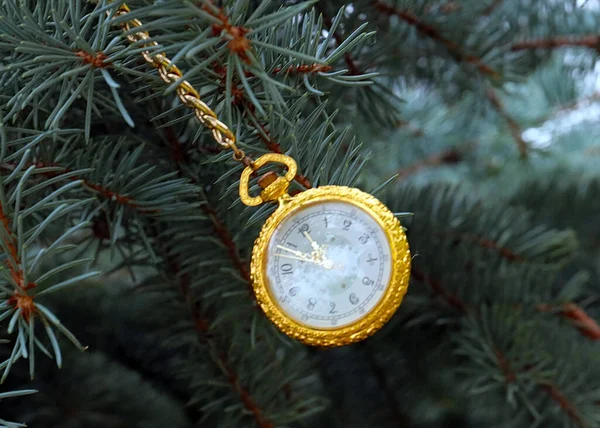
{"x":121,"y":229}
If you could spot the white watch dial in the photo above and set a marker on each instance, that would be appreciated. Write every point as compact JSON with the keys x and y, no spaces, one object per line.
{"x":328,"y":264}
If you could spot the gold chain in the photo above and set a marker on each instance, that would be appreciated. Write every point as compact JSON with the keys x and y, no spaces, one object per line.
{"x":189,"y":96}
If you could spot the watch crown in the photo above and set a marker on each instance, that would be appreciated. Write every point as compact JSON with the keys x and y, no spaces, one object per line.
{"x":275,"y":190}
{"x":267,"y":179}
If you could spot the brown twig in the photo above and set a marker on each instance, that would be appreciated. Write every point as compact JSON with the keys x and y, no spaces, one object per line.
{"x":445,"y":8}
{"x":225,"y":237}
{"x":304,"y":69}
{"x":97,"y":61}
{"x":564,"y":403}
{"x":353,"y":69}
{"x":586,"y":325}
{"x":591,"y":41}
{"x":10,"y":243}
{"x":567,"y":108}
{"x":429,"y":31}
{"x":491,"y":7}
{"x":237,"y":42}
{"x":438,"y":288}
{"x":504,"y":252}
{"x":514,"y":127}
{"x":20,"y":299}
{"x":509,"y":374}
{"x":446,"y":157}
{"x":414,"y":130}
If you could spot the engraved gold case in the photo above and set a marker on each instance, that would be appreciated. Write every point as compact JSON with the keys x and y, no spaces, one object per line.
{"x":394,"y":290}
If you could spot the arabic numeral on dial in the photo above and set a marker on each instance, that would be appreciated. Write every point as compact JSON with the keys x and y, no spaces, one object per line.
{"x":364,"y":239}
{"x":334,"y":321}
{"x":293,"y":291}
{"x":368,"y":281}
{"x":371,"y":260}
{"x":347,"y":224}
{"x":304,"y":317}
{"x":361,"y":310}
{"x":304,"y":228}
{"x":332,"y":308}
{"x":311,"y":303}
{"x":353,"y":299}
{"x":287,"y":269}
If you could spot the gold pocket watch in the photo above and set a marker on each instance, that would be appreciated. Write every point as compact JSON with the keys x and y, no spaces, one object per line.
{"x":331,"y":264}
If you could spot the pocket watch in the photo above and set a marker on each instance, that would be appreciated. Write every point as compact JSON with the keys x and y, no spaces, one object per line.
{"x":331,"y":264}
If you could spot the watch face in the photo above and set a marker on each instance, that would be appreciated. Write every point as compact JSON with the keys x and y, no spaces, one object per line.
{"x":328,"y":264}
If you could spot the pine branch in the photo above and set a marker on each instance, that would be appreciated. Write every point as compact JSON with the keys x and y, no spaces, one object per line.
{"x":552,"y":390}
{"x":514,"y":127}
{"x":219,"y":227}
{"x":22,"y":226}
{"x":58,"y":71}
{"x":201,"y":324}
{"x":590,"y":41}
{"x":58,"y":170}
{"x":433,"y":33}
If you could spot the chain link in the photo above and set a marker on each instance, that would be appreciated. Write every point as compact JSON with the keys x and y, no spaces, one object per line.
{"x":189,"y":96}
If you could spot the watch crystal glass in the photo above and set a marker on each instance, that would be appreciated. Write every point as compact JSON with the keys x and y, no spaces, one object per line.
{"x":328,"y":264}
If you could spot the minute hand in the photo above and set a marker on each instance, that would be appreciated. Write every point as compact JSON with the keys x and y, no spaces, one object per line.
{"x":302,"y":259}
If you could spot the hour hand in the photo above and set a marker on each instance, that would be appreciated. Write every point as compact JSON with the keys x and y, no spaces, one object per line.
{"x":314,"y":245}
{"x":327,"y":264}
{"x":295,"y":252}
